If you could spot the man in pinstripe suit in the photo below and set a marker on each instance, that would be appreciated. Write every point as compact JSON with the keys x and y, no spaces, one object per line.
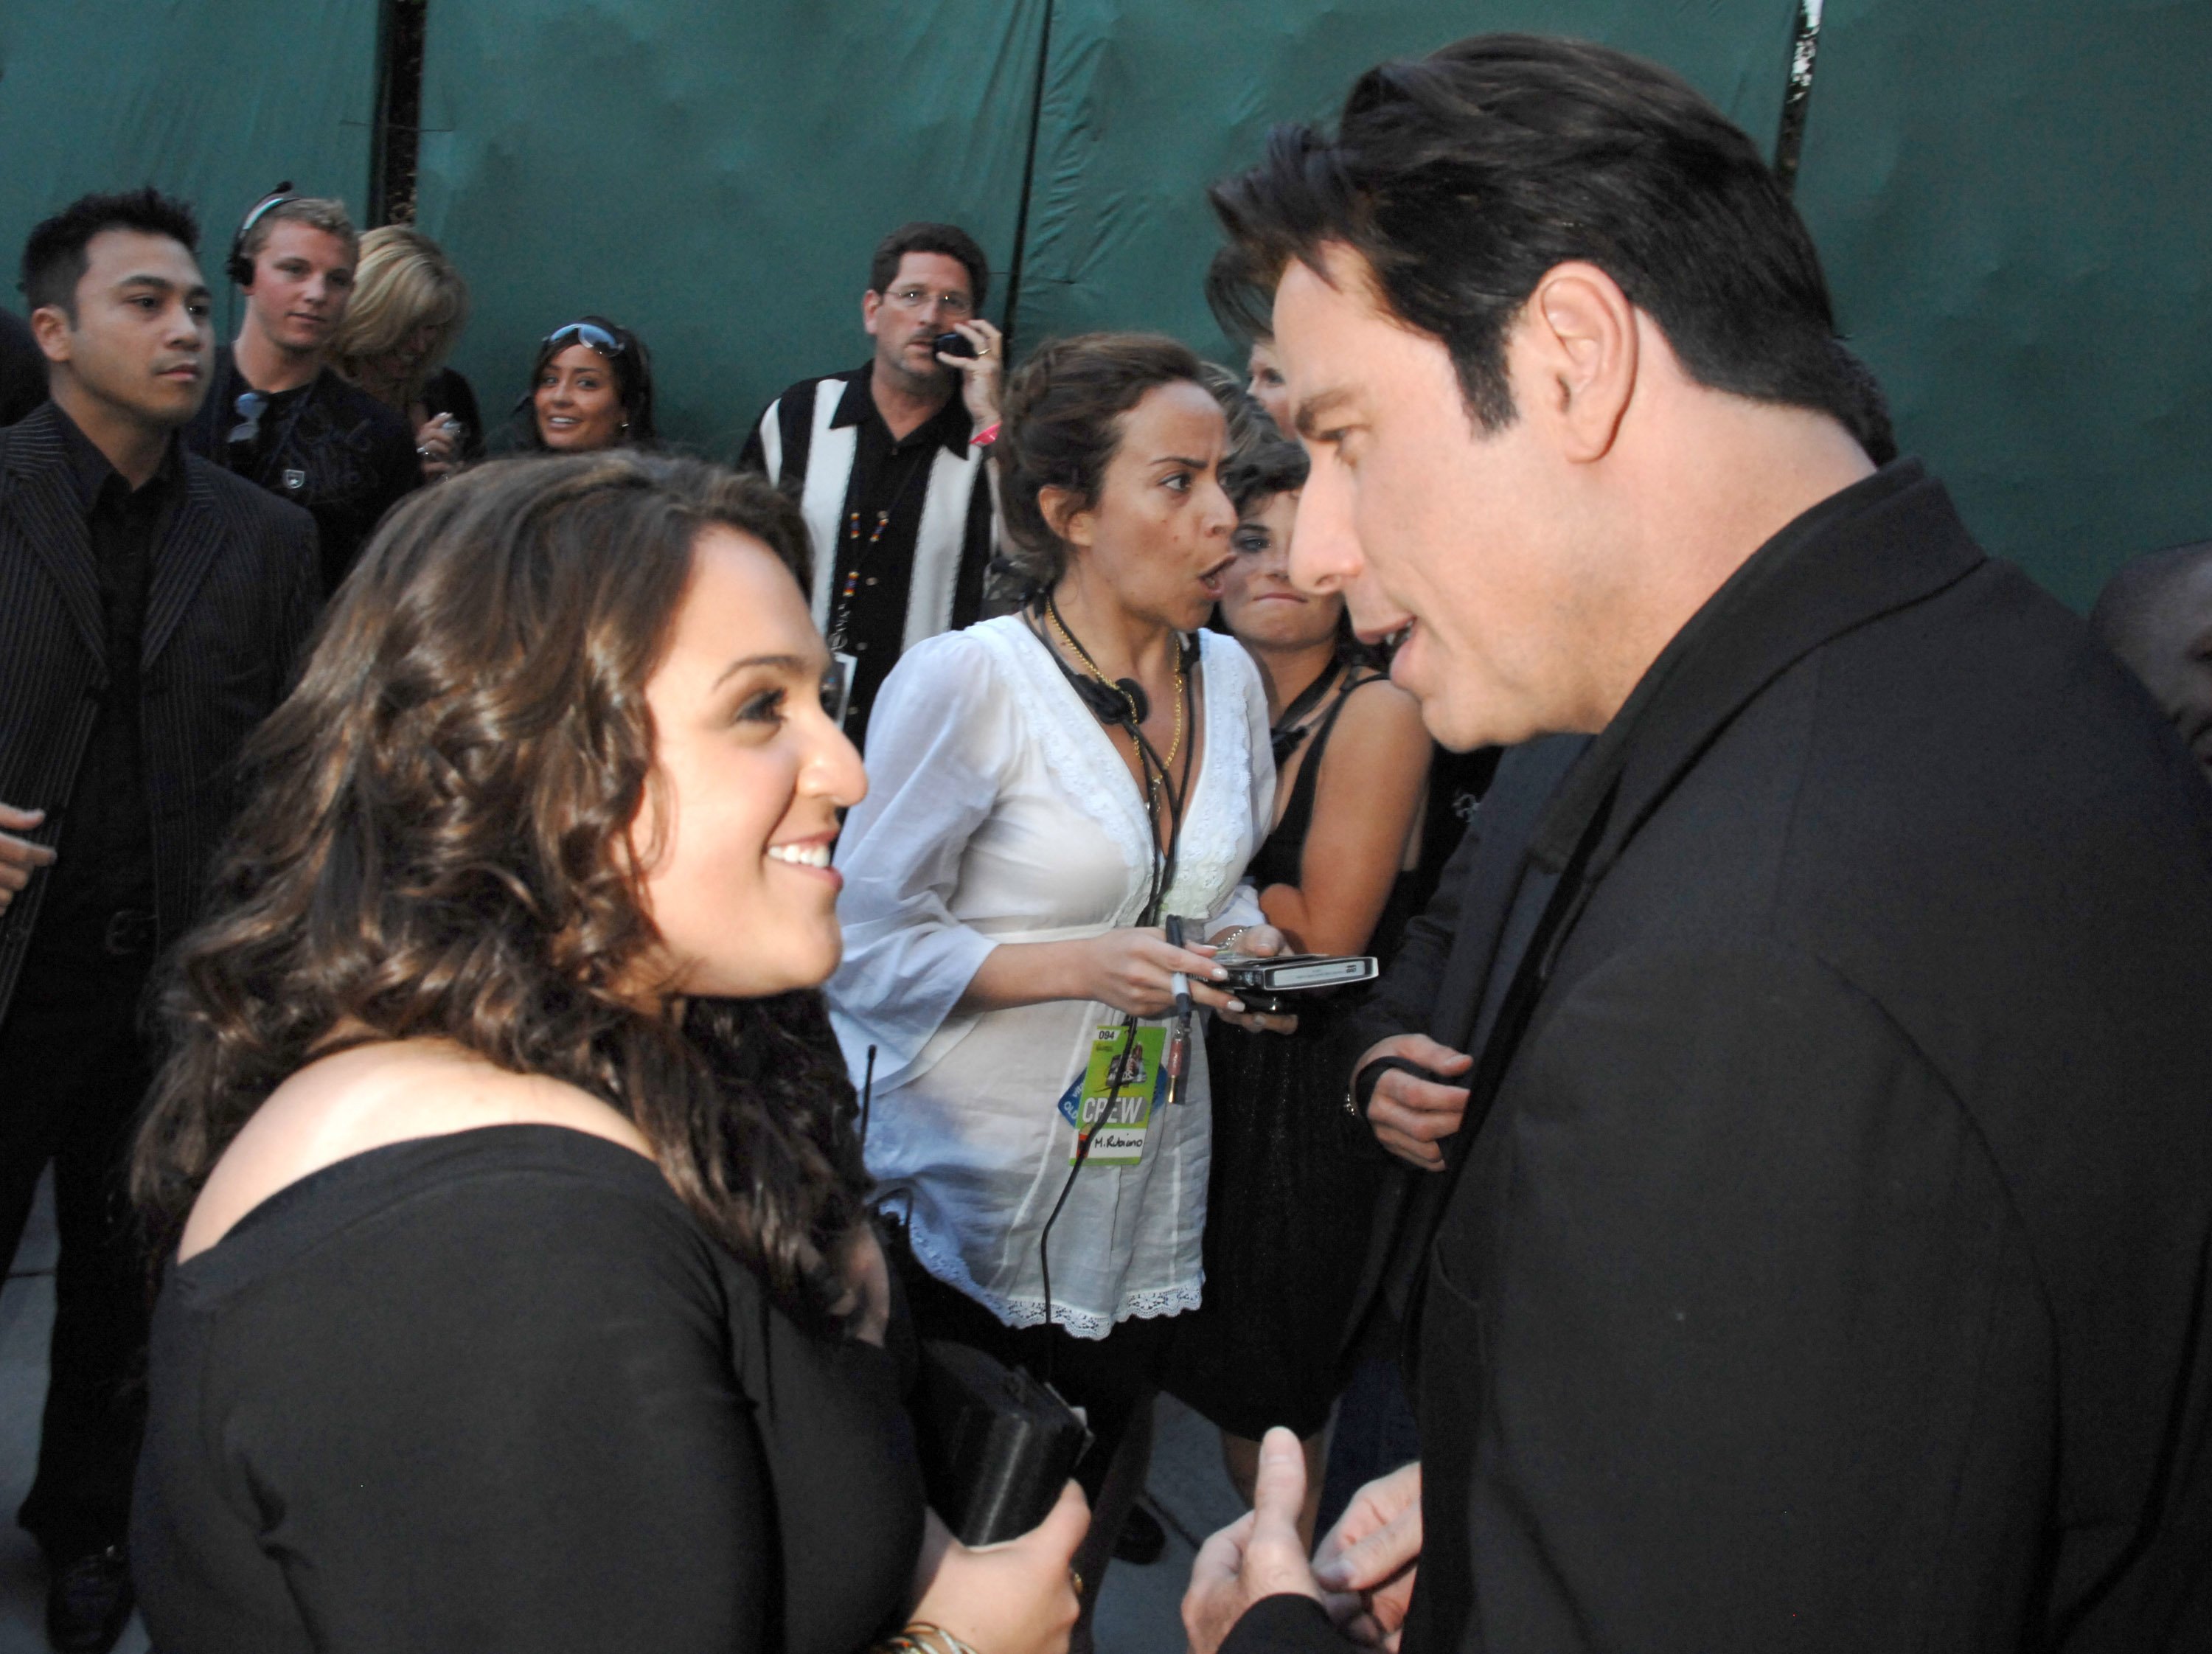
{"x":151,"y":610}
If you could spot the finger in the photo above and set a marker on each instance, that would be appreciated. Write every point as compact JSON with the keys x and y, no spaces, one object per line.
{"x":1422,"y":1096}
{"x":1423,"y":1157}
{"x":15,"y":852}
{"x":1419,"y":1130}
{"x":1064,"y":1525}
{"x":1278,"y":1492}
{"x":1219,"y":1000}
{"x":1434,"y":1056}
{"x":20,"y":820}
{"x":1377,"y":1557}
{"x":1222,"y":1556}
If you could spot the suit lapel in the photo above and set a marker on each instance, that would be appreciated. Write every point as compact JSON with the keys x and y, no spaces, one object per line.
{"x":1527,"y":779}
{"x":187,"y":550}
{"x":49,"y":517}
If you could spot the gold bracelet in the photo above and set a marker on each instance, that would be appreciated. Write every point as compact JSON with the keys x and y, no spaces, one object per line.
{"x":923,"y":1638}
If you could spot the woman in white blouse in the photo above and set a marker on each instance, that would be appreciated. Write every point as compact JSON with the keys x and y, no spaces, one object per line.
{"x":1044,"y":789}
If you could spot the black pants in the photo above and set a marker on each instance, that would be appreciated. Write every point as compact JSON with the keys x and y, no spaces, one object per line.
{"x":73,"y":1071}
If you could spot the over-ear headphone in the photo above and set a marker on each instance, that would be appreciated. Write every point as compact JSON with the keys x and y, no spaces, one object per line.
{"x":239,"y":268}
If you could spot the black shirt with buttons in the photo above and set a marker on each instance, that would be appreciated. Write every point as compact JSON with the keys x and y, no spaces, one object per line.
{"x":105,"y":863}
{"x":876,"y":535}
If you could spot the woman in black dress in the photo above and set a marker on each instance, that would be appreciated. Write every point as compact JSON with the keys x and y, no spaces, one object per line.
{"x":519,"y":1292}
{"x":1293,"y":1179}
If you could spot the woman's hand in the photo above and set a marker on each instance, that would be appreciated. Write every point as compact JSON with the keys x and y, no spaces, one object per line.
{"x":438,"y":444}
{"x":1134,"y":972}
{"x":1014,"y":1598}
{"x":867,"y":1306}
{"x":1253,"y":942}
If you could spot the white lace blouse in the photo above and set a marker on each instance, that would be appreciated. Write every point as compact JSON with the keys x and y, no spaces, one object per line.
{"x":1000,"y":811}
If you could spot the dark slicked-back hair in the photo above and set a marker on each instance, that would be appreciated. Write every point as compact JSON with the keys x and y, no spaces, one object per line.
{"x":949,"y":240}
{"x":54,"y":257}
{"x":1462,"y":177}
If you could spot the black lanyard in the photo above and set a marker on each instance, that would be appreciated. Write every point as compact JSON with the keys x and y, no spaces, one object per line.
{"x":1286,"y":736}
{"x":861,"y":551}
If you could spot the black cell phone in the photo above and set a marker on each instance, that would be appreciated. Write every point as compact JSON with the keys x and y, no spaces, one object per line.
{"x":952,"y":344}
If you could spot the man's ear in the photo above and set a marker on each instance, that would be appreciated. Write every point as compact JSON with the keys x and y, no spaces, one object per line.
{"x":49,"y":325}
{"x":1578,"y":330}
{"x":1065,"y":514}
{"x":870,"y":302}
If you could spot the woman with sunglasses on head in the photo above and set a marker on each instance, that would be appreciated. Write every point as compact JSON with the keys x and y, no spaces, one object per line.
{"x":1052,"y":788}
{"x":519,"y":1291}
{"x":410,"y":305}
{"x":591,"y":387}
{"x":1295,"y":1176}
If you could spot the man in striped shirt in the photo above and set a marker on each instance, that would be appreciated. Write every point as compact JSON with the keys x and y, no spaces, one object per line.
{"x":887,"y":461}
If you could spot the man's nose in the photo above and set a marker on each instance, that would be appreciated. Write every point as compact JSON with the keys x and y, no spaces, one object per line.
{"x":186,"y":331}
{"x":1325,"y":553}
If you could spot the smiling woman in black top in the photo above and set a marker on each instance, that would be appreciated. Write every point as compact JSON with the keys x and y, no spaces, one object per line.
{"x":518,"y":1294}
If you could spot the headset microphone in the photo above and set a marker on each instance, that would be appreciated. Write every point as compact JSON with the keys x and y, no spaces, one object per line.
{"x":239,"y":268}
{"x":1122,"y":705}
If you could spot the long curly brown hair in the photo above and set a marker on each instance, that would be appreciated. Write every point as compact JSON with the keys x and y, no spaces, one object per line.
{"x":437,"y":845}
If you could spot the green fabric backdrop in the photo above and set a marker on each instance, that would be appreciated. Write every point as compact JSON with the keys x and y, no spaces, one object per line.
{"x":2011,"y":198}
{"x":714,"y":176}
{"x":2008,"y":193}
{"x":1146,"y":103}
{"x":214,"y":103}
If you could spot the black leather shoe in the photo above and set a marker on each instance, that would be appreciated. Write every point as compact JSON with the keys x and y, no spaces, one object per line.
{"x":89,"y":1602}
{"x":1142,"y":1540}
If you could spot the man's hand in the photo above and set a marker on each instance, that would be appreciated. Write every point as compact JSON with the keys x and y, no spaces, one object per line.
{"x":1260,"y":1555}
{"x":1411,"y":1115}
{"x":19,"y":857}
{"x":1367,"y":1560}
{"x":981,"y":374}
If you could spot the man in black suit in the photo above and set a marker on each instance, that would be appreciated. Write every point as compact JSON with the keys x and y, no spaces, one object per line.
{"x":22,"y":370}
{"x":151,"y":608}
{"x":1827,"y":1259}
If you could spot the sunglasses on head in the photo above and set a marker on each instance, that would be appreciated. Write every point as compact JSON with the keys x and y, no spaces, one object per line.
{"x":590,"y":334}
{"x":249,"y":407}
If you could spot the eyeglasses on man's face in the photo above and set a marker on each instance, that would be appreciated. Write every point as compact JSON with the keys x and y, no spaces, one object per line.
{"x":953,"y":302}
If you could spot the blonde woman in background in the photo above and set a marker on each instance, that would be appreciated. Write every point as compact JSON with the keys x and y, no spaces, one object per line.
{"x":410,"y":305}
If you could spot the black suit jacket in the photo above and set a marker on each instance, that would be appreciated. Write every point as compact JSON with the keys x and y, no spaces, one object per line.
{"x":22,"y":369}
{"x":1831,"y":1271}
{"x":231,"y":598}
{"x":1436,"y":985}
